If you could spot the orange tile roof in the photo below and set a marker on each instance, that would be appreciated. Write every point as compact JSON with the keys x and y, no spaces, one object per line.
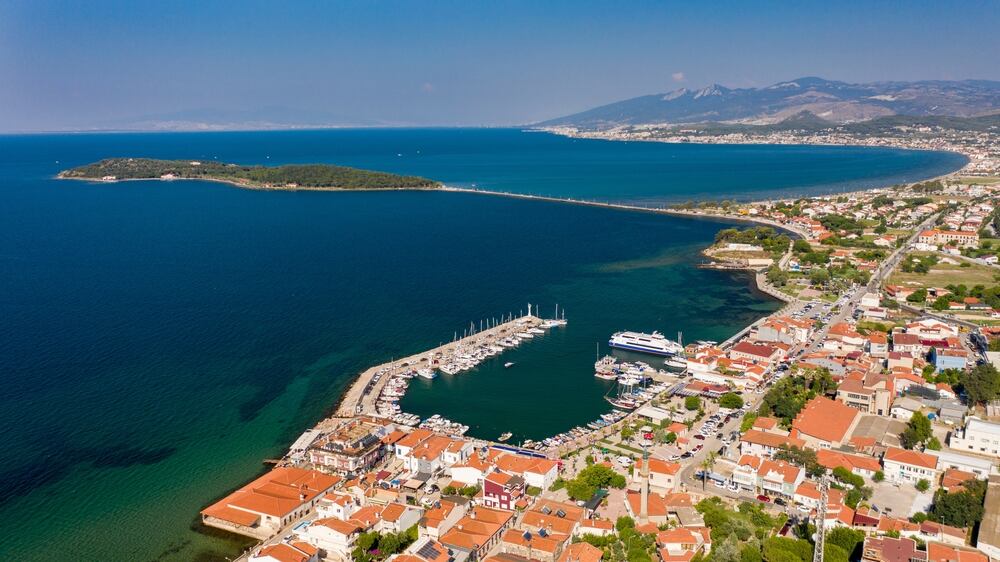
{"x":825,"y":419}
{"x":765,"y":423}
{"x":549,"y":544}
{"x":284,"y":552}
{"x":585,"y":552}
{"x":659,"y":466}
{"x":415,"y":437}
{"x":277,"y":493}
{"x":937,"y":552}
{"x":833,"y":459}
{"x":757,"y":437}
{"x":518,"y":464}
{"x":912,"y":458}
{"x":237,"y":516}
{"x":342,"y":527}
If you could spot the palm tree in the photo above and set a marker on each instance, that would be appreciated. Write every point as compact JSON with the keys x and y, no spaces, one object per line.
{"x":706,"y":466}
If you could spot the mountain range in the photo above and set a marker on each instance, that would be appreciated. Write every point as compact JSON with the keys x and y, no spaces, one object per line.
{"x":827,"y":100}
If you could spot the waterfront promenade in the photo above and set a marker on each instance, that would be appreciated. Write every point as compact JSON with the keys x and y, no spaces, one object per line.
{"x":362,"y":396}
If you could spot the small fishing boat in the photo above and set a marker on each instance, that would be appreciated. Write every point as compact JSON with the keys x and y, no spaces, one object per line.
{"x":505,"y":436}
{"x":508,"y":365}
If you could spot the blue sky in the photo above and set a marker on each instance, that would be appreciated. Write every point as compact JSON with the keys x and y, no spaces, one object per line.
{"x":95,"y":64}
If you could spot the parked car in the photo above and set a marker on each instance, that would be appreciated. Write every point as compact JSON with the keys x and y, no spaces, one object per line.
{"x":763,"y":498}
{"x":699,"y":436}
{"x":779,"y":501}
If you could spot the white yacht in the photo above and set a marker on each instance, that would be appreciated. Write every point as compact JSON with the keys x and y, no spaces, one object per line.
{"x":654,"y":343}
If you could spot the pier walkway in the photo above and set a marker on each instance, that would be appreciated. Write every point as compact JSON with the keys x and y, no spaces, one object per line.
{"x":361,"y":398}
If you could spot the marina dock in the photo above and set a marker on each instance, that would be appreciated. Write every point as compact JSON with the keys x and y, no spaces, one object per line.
{"x":362,"y":397}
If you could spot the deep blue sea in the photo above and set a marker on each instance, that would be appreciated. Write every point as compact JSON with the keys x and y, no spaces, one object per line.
{"x":159,"y":339}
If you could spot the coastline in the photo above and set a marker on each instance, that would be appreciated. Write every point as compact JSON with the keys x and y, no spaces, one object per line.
{"x":252,"y":187}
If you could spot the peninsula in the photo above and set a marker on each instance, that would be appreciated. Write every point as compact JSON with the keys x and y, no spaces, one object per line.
{"x":319,"y":177}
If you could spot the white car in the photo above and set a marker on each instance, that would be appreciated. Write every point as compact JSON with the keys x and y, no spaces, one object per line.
{"x":624,"y":461}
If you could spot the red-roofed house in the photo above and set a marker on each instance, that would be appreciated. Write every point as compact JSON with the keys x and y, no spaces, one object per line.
{"x":825,"y":423}
{"x":270,"y":502}
{"x":294,"y":551}
{"x":901,"y":465}
{"x":662,"y":474}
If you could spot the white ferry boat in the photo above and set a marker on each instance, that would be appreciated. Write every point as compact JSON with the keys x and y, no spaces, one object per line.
{"x":654,"y":343}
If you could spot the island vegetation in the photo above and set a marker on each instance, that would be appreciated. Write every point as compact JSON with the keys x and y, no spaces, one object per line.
{"x":289,"y":176}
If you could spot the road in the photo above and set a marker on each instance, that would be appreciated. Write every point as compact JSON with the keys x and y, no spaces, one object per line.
{"x":846,"y":310}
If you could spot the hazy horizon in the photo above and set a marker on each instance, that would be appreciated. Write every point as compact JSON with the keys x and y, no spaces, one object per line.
{"x":108,"y":65}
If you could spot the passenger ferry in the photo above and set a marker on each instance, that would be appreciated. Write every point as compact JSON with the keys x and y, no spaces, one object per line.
{"x":654,"y":343}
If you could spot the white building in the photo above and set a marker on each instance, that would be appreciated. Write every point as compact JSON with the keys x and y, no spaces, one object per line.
{"x":978,"y":436}
{"x":903,"y":466}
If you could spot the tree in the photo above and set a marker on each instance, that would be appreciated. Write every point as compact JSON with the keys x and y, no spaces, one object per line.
{"x":580,"y":490}
{"x":846,"y":539}
{"x":922,"y":485}
{"x":706,"y":466}
{"x":933,"y":444}
{"x":917,"y":431}
{"x":819,"y":277}
{"x":878,"y":476}
{"x":670,"y":438}
{"x":692,"y":403}
{"x":982,"y":383}
{"x":627,"y":433}
{"x":960,"y":509}
{"x":918,"y":296}
{"x":731,"y":400}
{"x":801,"y":246}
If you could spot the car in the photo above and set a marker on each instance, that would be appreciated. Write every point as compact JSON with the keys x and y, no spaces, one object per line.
{"x":699,"y":436}
{"x":674,"y":458}
{"x":719,"y":484}
{"x":687,"y":455}
{"x":804,"y":508}
{"x":779,"y":501}
{"x":718,"y":435}
{"x":624,"y":461}
{"x":763,"y":498}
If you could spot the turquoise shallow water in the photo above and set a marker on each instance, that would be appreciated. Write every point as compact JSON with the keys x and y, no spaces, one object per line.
{"x":157,"y":340}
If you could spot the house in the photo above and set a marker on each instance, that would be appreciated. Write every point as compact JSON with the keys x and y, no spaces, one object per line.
{"x":931,"y":531}
{"x":537,"y":472}
{"x":264,"y":506}
{"x":502,"y":490}
{"x":681,"y":544}
{"x":774,"y":478}
{"x":553,"y":517}
{"x":445,"y":514}
{"x":662,"y":507}
{"x":543,"y":547}
{"x":825,"y":423}
{"x":857,"y":464}
{"x":585,"y":552}
{"x":878,"y":344}
{"x":979,"y":467}
{"x":333,"y":537}
{"x":353,"y":447}
{"x":904,"y":407}
{"x":424,"y":549}
{"x":888,"y":549}
{"x":904,"y":466}
{"x":765,"y":444}
{"x":479,"y":531}
{"x":949,"y":358}
{"x":292,"y":551}
{"x":337,"y":504}
{"x":903,"y":342}
{"x":870,"y":393}
{"x":397,"y":517}
{"x":662,"y":474}
{"x":755,"y":353}
{"x":596,"y":527}
{"x":937,"y":552}
{"x":978,"y":436}
{"x":960,"y":238}
{"x":842,"y":337}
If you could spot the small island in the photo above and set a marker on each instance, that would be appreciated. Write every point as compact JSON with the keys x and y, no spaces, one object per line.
{"x":321,"y":177}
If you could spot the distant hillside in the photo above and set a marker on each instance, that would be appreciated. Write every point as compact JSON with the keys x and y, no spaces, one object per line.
{"x":830,"y":101}
{"x":293,"y":176}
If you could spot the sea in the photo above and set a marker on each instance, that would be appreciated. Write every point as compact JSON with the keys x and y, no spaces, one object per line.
{"x":159,"y":340}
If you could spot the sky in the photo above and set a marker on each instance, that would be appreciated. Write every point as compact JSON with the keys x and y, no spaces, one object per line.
{"x":100,"y":64}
